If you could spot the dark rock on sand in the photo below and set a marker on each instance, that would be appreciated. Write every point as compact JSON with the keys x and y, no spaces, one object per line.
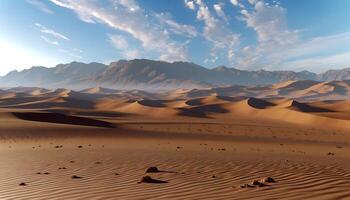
{"x":76,"y":177}
{"x":152,"y":170}
{"x":257,"y":184}
{"x":22,"y":184}
{"x":268,"y":180}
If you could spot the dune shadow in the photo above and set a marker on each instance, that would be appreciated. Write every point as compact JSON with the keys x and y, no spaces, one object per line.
{"x":307,"y":108}
{"x":58,"y":118}
{"x":203,"y":111}
{"x":152,"y":103}
{"x":88,"y":113}
{"x":259,"y":103}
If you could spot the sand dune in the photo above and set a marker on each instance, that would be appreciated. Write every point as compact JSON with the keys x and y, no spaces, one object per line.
{"x":208,"y":144}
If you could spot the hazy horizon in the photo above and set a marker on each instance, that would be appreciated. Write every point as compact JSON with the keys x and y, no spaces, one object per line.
{"x":212,"y":67}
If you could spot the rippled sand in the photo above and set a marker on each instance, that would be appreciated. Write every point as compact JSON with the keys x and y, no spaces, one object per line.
{"x":196,"y":169}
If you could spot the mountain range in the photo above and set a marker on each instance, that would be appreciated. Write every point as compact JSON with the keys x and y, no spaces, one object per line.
{"x":150,"y":74}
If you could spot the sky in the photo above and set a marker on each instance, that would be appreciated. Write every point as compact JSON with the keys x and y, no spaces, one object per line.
{"x":294,"y":35}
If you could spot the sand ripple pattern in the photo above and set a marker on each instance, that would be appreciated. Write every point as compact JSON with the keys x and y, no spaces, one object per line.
{"x":193,"y":178}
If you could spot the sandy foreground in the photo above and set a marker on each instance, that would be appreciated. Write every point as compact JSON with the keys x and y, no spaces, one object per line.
{"x":61,"y":148}
{"x":111,"y":162}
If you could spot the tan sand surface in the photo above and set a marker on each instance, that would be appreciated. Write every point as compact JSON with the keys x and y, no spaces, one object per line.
{"x":206,"y":147}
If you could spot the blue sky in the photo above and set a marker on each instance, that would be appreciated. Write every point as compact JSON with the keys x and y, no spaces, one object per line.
{"x":247,"y":34}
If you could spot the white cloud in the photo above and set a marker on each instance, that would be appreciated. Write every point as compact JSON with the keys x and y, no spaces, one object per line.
{"x":119,"y":41}
{"x":253,"y":2}
{"x":234,"y":2}
{"x":315,"y":46}
{"x":72,"y":53}
{"x":237,"y":3}
{"x":40,"y":5}
{"x":176,"y":28}
{"x":190,"y":4}
{"x":320,"y":63}
{"x":217,"y":32}
{"x":131,"y":5}
{"x":132,"y":54}
{"x":220,"y":12}
{"x":128,"y":16}
{"x":282,"y":48}
{"x":53,"y":42}
{"x":269,"y":22}
{"x":51,"y":32}
{"x":75,"y":56}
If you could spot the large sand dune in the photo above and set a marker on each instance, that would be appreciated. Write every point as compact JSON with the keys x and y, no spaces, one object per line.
{"x":209,"y":143}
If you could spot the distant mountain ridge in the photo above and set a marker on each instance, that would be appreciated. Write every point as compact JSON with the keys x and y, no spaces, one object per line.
{"x":148,"y":74}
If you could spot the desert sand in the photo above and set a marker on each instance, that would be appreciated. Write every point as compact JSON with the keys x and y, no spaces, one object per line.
{"x":98,"y":143}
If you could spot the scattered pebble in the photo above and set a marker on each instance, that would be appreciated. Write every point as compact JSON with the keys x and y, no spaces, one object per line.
{"x":152,"y":170}
{"x":268,"y":180}
{"x":258,"y":184}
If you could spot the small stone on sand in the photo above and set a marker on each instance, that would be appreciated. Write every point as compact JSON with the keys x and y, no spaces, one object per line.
{"x":152,"y":170}
{"x":257,"y":183}
{"x":268,"y":180}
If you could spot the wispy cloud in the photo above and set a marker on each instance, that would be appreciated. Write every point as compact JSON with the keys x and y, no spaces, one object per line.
{"x":280,"y":47}
{"x":320,"y":63}
{"x":190,"y":4}
{"x":219,"y":11}
{"x":224,"y":41}
{"x":53,"y":42}
{"x":41,"y":6}
{"x":128,"y":16}
{"x":51,"y":32}
{"x":70,"y":54}
{"x":181,"y":29}
{"x":121,"y":43}
{"x":273,"y":35}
